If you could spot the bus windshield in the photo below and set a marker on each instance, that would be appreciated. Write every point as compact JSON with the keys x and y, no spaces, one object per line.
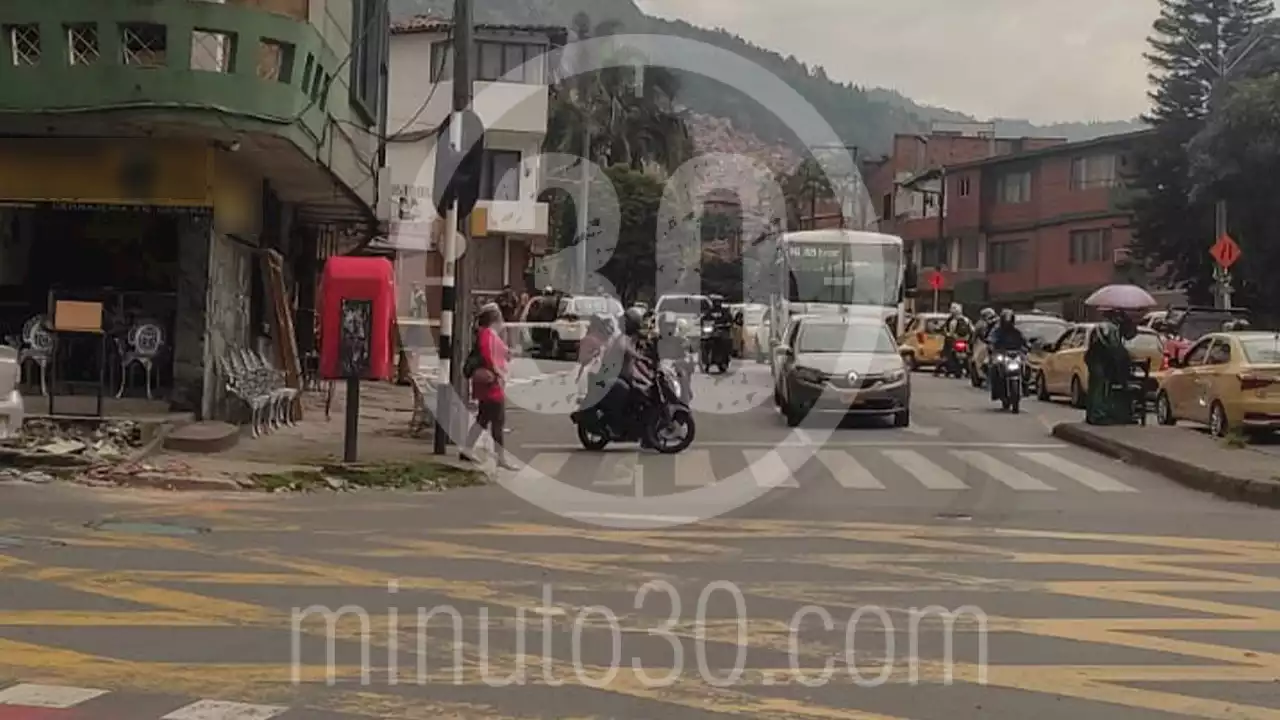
{"x":843,"y":274}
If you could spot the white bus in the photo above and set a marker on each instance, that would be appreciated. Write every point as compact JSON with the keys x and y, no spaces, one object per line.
{"x":820,"y":272}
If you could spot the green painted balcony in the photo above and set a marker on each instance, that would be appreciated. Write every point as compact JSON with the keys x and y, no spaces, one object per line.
{"x":254,"y":72}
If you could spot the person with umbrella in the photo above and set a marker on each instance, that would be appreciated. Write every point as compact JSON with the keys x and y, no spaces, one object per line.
{"x":1110,"y":400}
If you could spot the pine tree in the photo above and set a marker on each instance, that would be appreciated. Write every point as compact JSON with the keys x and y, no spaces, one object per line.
{"x":1192,"y":44}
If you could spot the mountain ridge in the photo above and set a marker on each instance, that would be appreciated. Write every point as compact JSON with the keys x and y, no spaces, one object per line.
{"x":865,"y":117}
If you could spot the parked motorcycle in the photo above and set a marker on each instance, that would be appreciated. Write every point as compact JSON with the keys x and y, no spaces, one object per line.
{"x":660,"y":417}
{"x":1010,"y":379}
{"x":716,"y":347}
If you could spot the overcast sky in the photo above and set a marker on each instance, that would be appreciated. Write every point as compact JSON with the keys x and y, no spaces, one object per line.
{"x":1044,"y":60}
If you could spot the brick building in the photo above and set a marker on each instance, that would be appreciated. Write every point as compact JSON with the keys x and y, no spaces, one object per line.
{"x":908,"y":189}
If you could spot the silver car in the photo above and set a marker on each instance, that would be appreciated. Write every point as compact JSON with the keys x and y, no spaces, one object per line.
{"x":845,"y":364}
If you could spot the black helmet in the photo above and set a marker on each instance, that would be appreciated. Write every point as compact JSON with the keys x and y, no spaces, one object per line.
{"x":716,"y":300}
{"x":632,"y":321}
{"x":1006,"y":316}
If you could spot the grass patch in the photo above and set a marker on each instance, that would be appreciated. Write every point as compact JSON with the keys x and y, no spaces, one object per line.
{"x":423,"y":476}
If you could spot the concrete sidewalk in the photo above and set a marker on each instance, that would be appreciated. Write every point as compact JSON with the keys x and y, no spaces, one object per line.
{"x":1185,"y":456}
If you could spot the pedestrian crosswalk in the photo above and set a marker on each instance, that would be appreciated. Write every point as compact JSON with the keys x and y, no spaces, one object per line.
{"x":860,"y":469}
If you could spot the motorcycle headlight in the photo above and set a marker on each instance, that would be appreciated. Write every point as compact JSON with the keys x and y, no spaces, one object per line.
{"x":1014,"y":365}
{"x":708,"y":329}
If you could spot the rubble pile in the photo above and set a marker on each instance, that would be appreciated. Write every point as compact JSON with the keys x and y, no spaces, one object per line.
{"x":91,"y":442}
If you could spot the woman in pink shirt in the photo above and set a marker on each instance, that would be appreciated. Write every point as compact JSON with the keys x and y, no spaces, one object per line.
{"x":487,"y":386}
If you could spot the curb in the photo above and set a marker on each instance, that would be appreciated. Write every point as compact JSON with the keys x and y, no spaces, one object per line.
{"x":162,"y":481}
{"x":1264,"y":493}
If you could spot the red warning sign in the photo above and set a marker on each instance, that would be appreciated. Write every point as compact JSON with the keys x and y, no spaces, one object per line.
{"x":1225,"y":252}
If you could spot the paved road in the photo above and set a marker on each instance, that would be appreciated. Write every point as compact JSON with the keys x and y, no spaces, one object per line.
{"x":1101,"y":591}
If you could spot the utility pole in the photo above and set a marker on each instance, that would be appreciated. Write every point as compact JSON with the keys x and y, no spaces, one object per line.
{"x":580,"y":254}
{"x":452,"y":321}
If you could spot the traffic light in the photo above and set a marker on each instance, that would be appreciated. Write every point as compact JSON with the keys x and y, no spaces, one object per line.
{"x":457,"y":175}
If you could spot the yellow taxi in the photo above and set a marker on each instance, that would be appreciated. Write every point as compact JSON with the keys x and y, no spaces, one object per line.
{"x":1063,"y":370}
{"x":921,"y":341}
{"x":1226,"y":381}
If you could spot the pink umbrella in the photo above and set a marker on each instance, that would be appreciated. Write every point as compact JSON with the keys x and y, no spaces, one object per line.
{"x":1121,"y":297}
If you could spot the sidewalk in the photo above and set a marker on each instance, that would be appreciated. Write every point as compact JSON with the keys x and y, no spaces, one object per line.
{"x":1186,"y":456}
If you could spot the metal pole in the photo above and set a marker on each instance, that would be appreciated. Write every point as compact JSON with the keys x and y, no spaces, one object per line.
{"x":451,"y":355}
{"x":580,"y":255}
{"x":1224,"y":275}
{"x":349,"y":445}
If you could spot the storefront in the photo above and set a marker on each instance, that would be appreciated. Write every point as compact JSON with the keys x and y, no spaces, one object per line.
{"x":135,"y":226}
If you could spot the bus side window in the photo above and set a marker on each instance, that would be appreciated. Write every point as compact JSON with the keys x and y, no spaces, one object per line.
{"x":911,"y":280}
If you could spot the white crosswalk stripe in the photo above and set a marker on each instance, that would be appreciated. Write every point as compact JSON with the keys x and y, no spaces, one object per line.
{"x":848,"y":472}
{"x":220,"y":710}
{"x":1007,"y":474}
{"x":693,"y":469}
{"x":47,"y":696}
{"x":771,"y":468}
{"x":1079,"y":473}
{"x":929,"y":473}
{"x":866,"y":469}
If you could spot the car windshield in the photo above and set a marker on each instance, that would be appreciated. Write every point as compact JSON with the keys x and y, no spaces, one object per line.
{"x":684,"y":305}
{"x":1194,"y":326}
{"x":934,"y":324}
{"x":1262,"y":350}
{"x":1041,"y":330}
{"x":845,"y":337}
{"x":596,"y":306}
{"x":1145,"y":342}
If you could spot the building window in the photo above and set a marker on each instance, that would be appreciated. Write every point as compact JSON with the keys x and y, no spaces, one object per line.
{"x":492,"y":61}
{"x":970,"y":254}
{"x":1089,"y":246}
{"x":212,"y":51}
{"x":933,"y":254}
{"x":886,"y":206}
{"x":144,"y":44}
{"x":371,"y":23}
{"x":1007,"y":256}
{"x":1014,"y":187}
{"x":82,"y":44}
{"x":24,"y":44}
{"x":962,"y":187}
{"x":1093,"y":171}
{"x":275,"y":60}
{"x":500,"y":176}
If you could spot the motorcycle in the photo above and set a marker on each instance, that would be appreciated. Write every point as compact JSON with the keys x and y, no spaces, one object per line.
{"x":652,"y":417}
{"x":1011,"y":382}
{"x":957,"y":364}
{"x":715,"y":345}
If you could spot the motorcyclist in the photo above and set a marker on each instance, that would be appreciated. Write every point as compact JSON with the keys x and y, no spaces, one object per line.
{"x":987,"y":321}
{"x":955,"y":327}
{"x":719,"y":318}
{"x":1005,"y":337}
{"x":624,"y":365}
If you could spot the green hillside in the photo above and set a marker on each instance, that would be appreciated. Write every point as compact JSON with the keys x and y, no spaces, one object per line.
{"x":865,"y":117}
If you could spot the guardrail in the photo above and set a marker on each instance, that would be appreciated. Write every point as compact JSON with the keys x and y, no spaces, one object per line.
{"x":418,"y":334}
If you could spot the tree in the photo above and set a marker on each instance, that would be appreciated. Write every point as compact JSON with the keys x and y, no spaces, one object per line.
{"x":804,"y":188}
{"x":628,"y":112}
{"x":1191,"y":43}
